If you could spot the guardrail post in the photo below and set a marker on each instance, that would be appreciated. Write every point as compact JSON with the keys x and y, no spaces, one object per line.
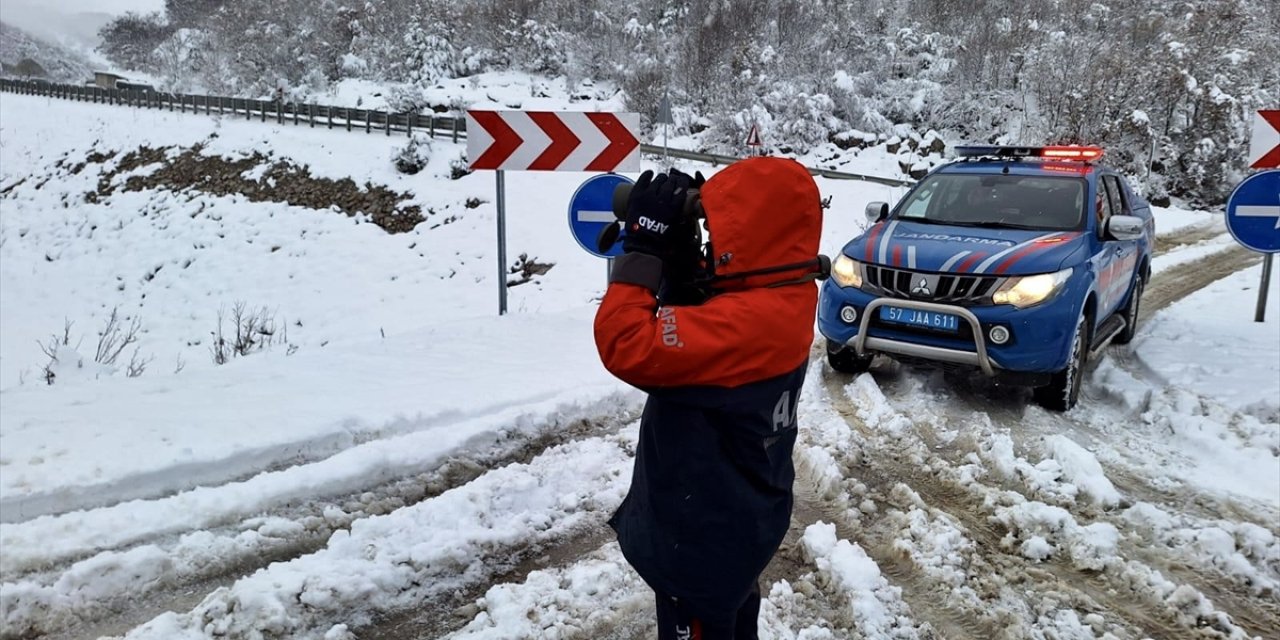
{"x":408,"y":124}
{"x":431,"y":122}
{"x":329,"y":115}
{"x":294,"y":107}
{"x":455,"y":130}
{"x":346,"y":111}
{"x":386,"y":119}
{"x":368,"y":120}
{"x":311,"y":115}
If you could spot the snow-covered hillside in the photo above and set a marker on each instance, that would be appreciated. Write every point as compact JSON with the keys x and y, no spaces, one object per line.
{"x":59,"y":63}
{"x":398,"y":461}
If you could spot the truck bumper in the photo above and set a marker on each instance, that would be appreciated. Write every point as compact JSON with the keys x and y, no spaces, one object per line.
{"x":1039,"y":343}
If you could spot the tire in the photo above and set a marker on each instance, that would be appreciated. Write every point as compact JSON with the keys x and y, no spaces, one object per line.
{"x":1130,"y":313}
{"x":846,"y":360}
{"x":1063,"y":391}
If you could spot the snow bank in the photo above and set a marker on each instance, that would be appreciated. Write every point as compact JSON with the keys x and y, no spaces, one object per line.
{"x":393,"y":561}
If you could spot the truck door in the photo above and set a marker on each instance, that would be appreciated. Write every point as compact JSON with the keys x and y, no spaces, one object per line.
{"x":1125,"y":252}
{"x":1105,"y":258}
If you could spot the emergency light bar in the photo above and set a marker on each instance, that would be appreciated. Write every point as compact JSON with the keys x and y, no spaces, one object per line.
{"x":1081,"y":154}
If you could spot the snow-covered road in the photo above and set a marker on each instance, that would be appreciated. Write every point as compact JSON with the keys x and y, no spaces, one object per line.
{"x":451,"y":478}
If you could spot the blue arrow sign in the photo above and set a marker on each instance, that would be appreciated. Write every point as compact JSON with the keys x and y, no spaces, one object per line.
{"x":591,"y":210}
{"x":1253,"y":212}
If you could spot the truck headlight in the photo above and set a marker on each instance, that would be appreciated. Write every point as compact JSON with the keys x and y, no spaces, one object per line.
{"x":847,"y":272}
{"x":1030,"y":290}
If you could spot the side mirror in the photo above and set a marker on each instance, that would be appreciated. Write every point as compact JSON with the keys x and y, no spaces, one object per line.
{"x":877,"y":211}
{"x":1125,"y":228}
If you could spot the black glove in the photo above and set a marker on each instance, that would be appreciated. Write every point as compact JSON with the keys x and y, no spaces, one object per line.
{"x":653,"y":212}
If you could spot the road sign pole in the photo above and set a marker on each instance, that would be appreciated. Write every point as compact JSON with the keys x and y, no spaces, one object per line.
{"x":1261,"y":314}
{"x":502,"y":242}
{"x":664,"y":118}
{"x":666,"y":162}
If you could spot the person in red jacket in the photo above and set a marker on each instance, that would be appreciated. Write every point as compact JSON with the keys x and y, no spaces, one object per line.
{"x":711,"y":495}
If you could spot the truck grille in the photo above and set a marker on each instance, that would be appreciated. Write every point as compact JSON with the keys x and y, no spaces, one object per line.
{"x":966,"y":290}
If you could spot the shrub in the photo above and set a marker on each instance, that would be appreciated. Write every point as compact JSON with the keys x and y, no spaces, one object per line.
{"x":252,"y":331}
{"x":413,"y":156}
{"x":114,"y":339}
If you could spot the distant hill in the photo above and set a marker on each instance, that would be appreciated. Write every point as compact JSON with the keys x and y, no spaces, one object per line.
{"x":59,"y":22}
{"x":59,"y":63}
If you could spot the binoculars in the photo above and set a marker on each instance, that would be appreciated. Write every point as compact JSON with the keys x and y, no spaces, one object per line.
{"x":690,"y":210}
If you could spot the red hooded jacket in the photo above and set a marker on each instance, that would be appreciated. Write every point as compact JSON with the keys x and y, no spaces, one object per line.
{"x":762,"y":212}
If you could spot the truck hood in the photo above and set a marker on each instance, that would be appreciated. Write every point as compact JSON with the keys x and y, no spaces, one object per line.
{"x":952,"y":249}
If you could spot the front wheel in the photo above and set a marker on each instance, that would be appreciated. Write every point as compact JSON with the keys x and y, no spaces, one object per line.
{"x":1130,"y":314}
{"x":1063,"y":391}
{"x":846,"y":360}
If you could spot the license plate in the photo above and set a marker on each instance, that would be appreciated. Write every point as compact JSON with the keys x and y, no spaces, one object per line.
{"x":922,"y":319}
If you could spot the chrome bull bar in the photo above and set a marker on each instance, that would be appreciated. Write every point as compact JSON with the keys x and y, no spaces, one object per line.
{"x":861,"y":343}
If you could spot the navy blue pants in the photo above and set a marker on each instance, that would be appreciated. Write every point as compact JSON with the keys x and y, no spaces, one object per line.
{"x":676,"y":622}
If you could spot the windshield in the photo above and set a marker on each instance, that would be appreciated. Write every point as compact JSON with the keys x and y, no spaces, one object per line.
{"x":1012,"y":201}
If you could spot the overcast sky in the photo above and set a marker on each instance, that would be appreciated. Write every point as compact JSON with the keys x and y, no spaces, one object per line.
{"x":78,"y":6}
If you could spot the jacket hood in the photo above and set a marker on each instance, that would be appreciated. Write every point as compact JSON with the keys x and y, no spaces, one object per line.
{"x":952,"y":249}
{"x":762,"y":212}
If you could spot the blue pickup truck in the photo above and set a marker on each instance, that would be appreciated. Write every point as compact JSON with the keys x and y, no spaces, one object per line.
{"x":1021,"y":263}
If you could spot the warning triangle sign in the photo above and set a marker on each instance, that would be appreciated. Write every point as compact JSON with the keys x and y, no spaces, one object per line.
{"x":753,"y":137}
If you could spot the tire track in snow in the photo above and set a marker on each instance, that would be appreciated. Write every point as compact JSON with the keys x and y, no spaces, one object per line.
{"x":554,"y":602}
{"x":464,"y":614}
{"x":182,"y":585}
{"x":1009,"y":410}
{"x":1133,"y":614}
{"x":929,"y":608}
{"x":481,"y":529}
{"x":1181,"y":280}
{"x":451,"y":611}
{"x":1187,"y":236}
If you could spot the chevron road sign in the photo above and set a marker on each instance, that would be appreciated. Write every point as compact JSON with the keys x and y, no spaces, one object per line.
{"x":547,"y":141}
{"x":1264,"y":144}
{"x":553,"y":141}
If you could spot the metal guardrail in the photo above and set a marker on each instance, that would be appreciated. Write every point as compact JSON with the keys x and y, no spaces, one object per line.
{"x":310,"y":114}
{"x":330,"y":117}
